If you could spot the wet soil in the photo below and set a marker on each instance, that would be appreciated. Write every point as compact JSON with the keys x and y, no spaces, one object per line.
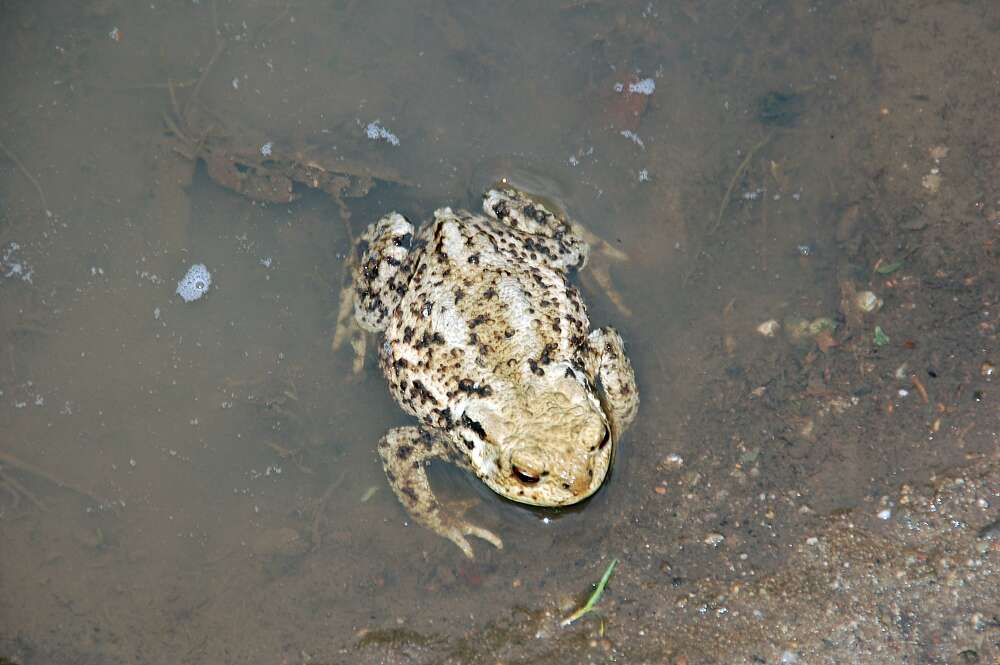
{"x":197,"y":482}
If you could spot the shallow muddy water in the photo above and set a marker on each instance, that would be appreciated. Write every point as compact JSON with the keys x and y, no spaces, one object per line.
{"x":197,"y":482}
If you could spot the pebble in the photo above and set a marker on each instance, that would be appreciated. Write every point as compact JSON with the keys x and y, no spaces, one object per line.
{"x":769,"y":328}
{"x":714,"y":539}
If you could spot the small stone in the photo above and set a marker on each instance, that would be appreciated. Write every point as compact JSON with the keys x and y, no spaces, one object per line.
{"x":884,"y":514}
{"x":931,"y":182}
{"x":714,"y":539}
{"x":987,"y":369}
{"x":673,"y":460}
{"x":660,"y":489}
{"x":867,"y":302}
{"x":769,"y":328}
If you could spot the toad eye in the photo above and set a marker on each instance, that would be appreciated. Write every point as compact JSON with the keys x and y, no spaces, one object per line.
{"x":524,"y":476}
{"x":606,"y":439}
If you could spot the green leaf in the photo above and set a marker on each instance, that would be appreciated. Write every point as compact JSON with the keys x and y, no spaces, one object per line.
{"x":881,"y":339}
{"x":889,"y":268}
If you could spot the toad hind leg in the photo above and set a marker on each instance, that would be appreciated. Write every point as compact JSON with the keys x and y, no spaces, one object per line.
{"x":380,"y":276}
{"x":405,"y":452}
{"x":568,"y":244}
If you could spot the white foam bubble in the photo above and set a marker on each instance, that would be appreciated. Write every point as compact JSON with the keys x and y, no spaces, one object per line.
{"x":195,"y":283}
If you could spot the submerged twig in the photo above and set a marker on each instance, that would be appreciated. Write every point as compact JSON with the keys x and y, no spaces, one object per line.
{"x":6,"y":459}
{"x":27,"y":174}
{"x":736,"y":176}
{"x":594,"y":597}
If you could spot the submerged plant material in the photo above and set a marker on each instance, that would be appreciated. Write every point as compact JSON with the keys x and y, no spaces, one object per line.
{"x":888,"y":268}
{"x":780,"y":109}
{"x":881,"y":339}
{"x":594,"y":597}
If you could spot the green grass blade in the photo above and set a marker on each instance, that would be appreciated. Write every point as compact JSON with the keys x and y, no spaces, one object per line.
{"x":594,"y":597}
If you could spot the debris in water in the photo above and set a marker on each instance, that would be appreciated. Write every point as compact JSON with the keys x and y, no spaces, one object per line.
{"x":881,"y":339}
{"x":12,"y":266}
{"x":633,"y":137}
{"x":195,"y":283}
{"x":644,"y":87}
{"x":266,"y":149}
{"x":594,"y":597}
{"x":376,"y":132}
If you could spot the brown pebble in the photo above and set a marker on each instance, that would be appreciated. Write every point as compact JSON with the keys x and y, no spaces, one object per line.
{"x":681,"y":660}
{"x":660,"y":489}
{"x":516,"y":584}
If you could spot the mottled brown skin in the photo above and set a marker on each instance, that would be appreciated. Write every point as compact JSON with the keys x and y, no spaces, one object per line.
{"x":488,"y":344}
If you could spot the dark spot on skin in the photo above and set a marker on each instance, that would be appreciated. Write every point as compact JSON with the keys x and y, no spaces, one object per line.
{"x":459,"y":294}
{"x":409,"y":493}
{"x":390,"y":475}
{"x":403,"y":240}
{"x":407,"y":334}
{"x":391,"y":261}
{"x":470,"y":386}
{"x":478,"y":321}
{"x":404,"y":452}
{"x":445,"y":416}
{"x":474,"y":425}
{"x":508,"y":333}
{"x":546,"y":353}
{"x":535,"y":369}
{"x":419,"y":391}
{"x":370,"y":269}
{"x":468,"y":444}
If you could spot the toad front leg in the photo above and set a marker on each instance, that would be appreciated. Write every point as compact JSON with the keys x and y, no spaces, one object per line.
{"x":405,"y":452}
{"x":617,"y":379}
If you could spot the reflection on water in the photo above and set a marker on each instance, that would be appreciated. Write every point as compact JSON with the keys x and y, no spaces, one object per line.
{"x":197,"y":481}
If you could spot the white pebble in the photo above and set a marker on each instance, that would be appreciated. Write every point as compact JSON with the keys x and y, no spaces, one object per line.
{"x":195,"y":283}
{"x":714,"y":539}
{"x":769,"y":328}
{"x":884,"y":514}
